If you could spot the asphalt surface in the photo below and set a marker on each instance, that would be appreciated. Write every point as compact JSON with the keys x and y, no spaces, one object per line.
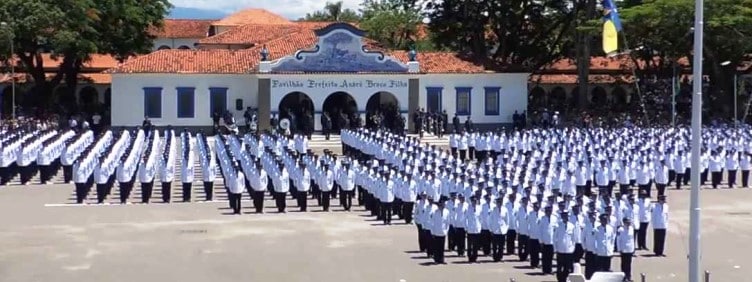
{"x":43,"y":238}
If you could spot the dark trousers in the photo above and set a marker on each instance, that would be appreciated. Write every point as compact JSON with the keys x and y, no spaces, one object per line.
{"x":661,"y":189}
{"x":258,"y":201}
{"x":326,"y":198}
{"x":547,"y":254}
{"x":485,"y":241}
{"x":146,"y":191}
{"x":680,"y":180}
{"x":463,"y":154}
{"x":407,"y":211}
{"x":346,"y":198}
{"x":642,"y":235}
{"x":534,"y":252}
{"x":659,"y":241}
{"x":497,"y":246}
{"x":438,"y":248}
{"x":671,"y":175}
{"x":426,"y":233}
{"x":302,"y":200}
{"x":603,"y":263}
{"x":386,"y":213}
{"x":166,"y":191}
{"x":578,"y":253}
{"x":459,"y":239}
{"x":564,"y":266}
{"x":44,"y":173}
{"x":623,"y":188}
{"x":626,"y":265}
{"x":590,"y":264}
{"x":67,"y":173}
{"x":471,"y":152}
{"x":421,"y":239}
{"x":731,"y":178}
{"x":511,"y":236}
{"x":125,"y":191}
{"x":81,"y":192}
{"x":715,"y":178}
{"x":522,"y":248}
{"x":280,"y":200}
{"x":235,"y":202}
{"x":187,"y":191}
{"x":473,"y":244}
{"x":687,"y":176}
{"x":450,"y":238}
{"x":209,"y":190}
{"x":703,"y":176}
{"x":454,"y":152}
{"x":101,"y":192}
{"x":745,"y":178}
{"x":26,"y":173}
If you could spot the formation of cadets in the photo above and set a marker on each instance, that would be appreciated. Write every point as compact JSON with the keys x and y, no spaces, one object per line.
{"x":506,"y":202}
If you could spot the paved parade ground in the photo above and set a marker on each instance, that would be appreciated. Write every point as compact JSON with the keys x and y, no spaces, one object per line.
{"x":44,"y":239}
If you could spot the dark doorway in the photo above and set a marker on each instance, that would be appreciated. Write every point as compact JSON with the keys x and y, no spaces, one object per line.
{"x":66,"y":99}
{"x":298,"y":108}
{"x":341,"y":107}
{"x":386,"y":106}
{"x":89,"y":98}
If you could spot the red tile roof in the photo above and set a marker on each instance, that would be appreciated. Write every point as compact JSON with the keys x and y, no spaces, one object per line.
{"x":572,"y":79}
{"x":251,"y":34}
{"x":90,"y":78}
{"x":441,"y":62}
{"x":192,"y":61}
{"x":252,"y":16}
{"x":179,"y":28}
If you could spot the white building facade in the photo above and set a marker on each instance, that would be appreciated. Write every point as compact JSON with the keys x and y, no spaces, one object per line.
{"x":338,"y":75}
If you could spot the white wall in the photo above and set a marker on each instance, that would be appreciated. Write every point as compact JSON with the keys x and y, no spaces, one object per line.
{"x":128,"y":96}
{"x":174,"y":43}
{"x":512,"y":96}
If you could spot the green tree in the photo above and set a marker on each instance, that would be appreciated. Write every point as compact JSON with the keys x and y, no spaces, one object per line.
{"x":664,"y":29}
{"x":73,"y":30}
{"x":393,"y":23}
{"x":332,"y":12}
{"x":508,"y":35}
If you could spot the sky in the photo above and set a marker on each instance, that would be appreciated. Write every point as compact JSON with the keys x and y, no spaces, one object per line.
{"x":292,"y":9}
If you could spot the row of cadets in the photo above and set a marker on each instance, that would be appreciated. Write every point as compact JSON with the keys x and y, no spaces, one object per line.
{"x":83,"y":167}
{"x":301,"y":144}
{"x":187,"y":161}
{"x":167,"y":164}
{"x":147,"y":168}
{"x":235,"y":180}
{"x":407,"y":192}
{"x":49,"y":157}
{"x":126,"y":170}
{"x":29,"y":153}
{"x":73,"y":150}
{"x":208,"y":163}
{"x":302,"y":179}
{"x":10,"y":149}
{"x":226,"y":166}
{"x":104,"y":174}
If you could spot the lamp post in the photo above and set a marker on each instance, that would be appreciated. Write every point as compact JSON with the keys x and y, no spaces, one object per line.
{"x":12,"y":72}
{"x":673,"y":94}
{"x":694,"y":206}
{"x":736,"y":110}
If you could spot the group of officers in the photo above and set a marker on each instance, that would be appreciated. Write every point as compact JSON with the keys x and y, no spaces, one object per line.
{"x":500,"y":204}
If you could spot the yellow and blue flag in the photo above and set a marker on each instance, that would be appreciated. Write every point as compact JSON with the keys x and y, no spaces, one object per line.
{"x":611,"y":27}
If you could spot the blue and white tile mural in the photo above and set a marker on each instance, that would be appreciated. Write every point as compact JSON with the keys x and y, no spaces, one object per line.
{"x":339,"y":50}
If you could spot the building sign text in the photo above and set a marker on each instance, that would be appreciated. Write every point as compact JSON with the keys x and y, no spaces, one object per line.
{"x":339,"y":83}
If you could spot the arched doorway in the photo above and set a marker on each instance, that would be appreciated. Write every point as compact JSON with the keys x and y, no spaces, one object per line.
{"x":7,"y":100}
{"x":558,"y":98}
{"x":536,"y":96}
{"x":620,"y":96}
{"x":385,"y":105}
{"x":66,"y":99}
{"x":107,"y":106}
{"x":598,"y":96}
{"x":183,"y":47}
{"x":298,"y":108}
{"x":574,"y":98}
{"x":163,"y":47}
{"x":89,"y":98}
{"x":341,"y":107}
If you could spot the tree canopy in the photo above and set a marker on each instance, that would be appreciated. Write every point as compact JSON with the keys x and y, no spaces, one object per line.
{"x":73,"y":30}
{"x":332,"y":12}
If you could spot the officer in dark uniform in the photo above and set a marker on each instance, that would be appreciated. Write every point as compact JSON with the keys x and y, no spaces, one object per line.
{"x":418,"y":120}
{"x":456,"y":123}
{"x":469,"y":125}
{"x":326,"y":125}
{"x":146,"y":125}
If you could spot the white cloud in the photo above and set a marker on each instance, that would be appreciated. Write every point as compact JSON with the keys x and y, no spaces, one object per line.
{"x":292,"y":9}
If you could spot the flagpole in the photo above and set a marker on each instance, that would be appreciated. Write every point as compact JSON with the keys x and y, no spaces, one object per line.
{"x":694,"y":207}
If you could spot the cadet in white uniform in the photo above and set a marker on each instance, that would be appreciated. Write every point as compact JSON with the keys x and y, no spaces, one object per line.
{"x":347,"y":183}
{"x":472,"y":226}
{"x":236,"y":188}
{"x":659,"y":214}
{"x":126,"y":171}
{"x":564,"y":245}
{"x":167,"y":165}
{"x":208,"y":166}
{"x":626,"y":245}
{"x":48,"y":158}
{"x":326,"y":184}
{"x":187,"y":165}
{"x":439,"y":220}
{"x":147,"y":167}
{"x":605,"y":237}
{"x":72,"y":151}
{"x":498,"y":223}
